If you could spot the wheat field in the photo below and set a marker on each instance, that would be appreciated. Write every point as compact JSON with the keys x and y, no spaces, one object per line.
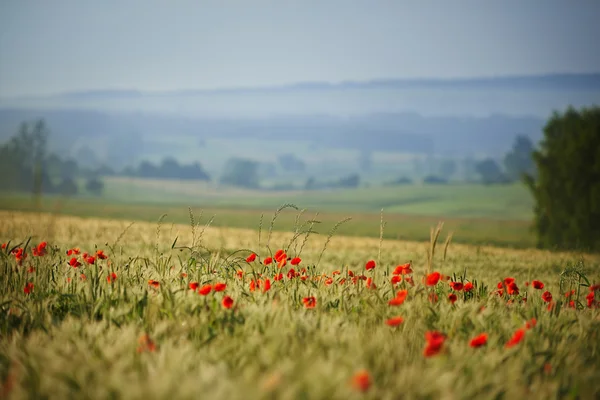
{"x":161,"y":310}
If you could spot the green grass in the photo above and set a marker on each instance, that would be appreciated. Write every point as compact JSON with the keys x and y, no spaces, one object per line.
{"x":501,"y":232}
{"x":74,"y":338}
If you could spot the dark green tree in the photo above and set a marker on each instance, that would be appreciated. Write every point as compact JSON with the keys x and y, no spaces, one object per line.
{"x":519,"y":160}
{"x":95,"y":186}
{"x":241,"y":172}
{"x":490,"y":172}
{"x":567,"y":187}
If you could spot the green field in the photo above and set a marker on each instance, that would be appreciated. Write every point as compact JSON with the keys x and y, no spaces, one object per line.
{"x":133,"y":328}
{"x":475,"y":214}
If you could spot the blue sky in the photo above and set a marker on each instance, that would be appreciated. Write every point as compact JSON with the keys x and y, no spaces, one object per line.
{"x":55,"y":46}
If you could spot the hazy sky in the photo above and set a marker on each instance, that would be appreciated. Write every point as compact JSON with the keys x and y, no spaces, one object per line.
{"x":54,"y":46}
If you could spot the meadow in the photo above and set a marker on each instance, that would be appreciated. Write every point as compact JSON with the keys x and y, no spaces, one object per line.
{"x":165,"y":310}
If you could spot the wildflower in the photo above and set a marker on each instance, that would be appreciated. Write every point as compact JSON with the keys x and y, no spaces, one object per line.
{"x":403,"y":269}
{"x":595,"y":287}
{"x":516,"y":338}
{"x":83,"y":277}
{"x":146,"y":344}
{"x":267,"y":286}
{"x":370,"y":265}
{"x":432,"y":279}
{"x":282,"y":262}
{"x":110,"y":278}
{"x":40,"y":250}
{"x":4,"y":246}
{"x":569,"y":294}
{"x":219,"y":287}
{"x":336,"y":272}
{"x":396,"y":279}
{"x":399,"y":299}
{"x":193,"y":286}
{"x":395,"y":321}
{"x":278,"y":277}
{"x":361,"y":381}
{"x":183,"y":275}
{"x":295,"y":261}
{"x":31,"y":270}
{"x":435,"y":342}
{"x":547,"y":296}
{"x":251,"y":258}
{"x":227,"y":302}
{"x":537,"y":285}
{"x":433,"y":297}
{"x":28,"y":288}
{"x":478,"y":341}
{"x":153,"y":283}
{"x":512,"y":288}
{"x":74,"y":263}
{"x":452,"y":297}
{"x":508,"y":281}
{"x":292,"y":273}
{"x":268,"y":261}
{"x":73,"y":251}
{"x":531,"y":323}
{"x":328,"y":281}
{"x":458,"y":286}
{"x":20,"y":255}
{"x":279,"y":254}
{"x":350,"y":273}
{"x":204,"y":290}
{"x":309,"y":302}
{"x":409,"y":280}
{"x":590,"y":299}
{"x":90,"y":259}
{"x":371,"y":284}
{"x":100,"y":255}
{"x":468,"y":287}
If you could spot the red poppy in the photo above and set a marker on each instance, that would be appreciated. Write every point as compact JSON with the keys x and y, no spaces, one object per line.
{"x":183,"y":275}
{"x":240,"y":273}
{"x":478,"y":341}
{"x":512,"y":288}
{"x":100,"y":254}
{"x":547,"y":296}
{"x":531,"y":323}
{"x":432,"y":279}
{"x":468,"y":287}
{"x":370,"y":265}
{"x":90,"y":259}
{"x":219,"y":287}
{"x":361,"y":381}
{"x":73,"y":251}
{"x":595,"y":287}
{"x":31,"y":270}
{"x":267,"y":285}
{"x":342,"y":281}
{"x":146,"y":344}
{"x":403,"y":269}
{"x":40,"y":250}
{"x":508,"y":281}
{"x":396,"y":279}
{"x":251,"y":258}
{"x":537,"y":285}
{"x":433,"y":297}
{"x":435,"y":342}
{"x":458,"y":286}
{"x":336,"y":272}
{"x":227,"y":302}
{"x":295,"y":261}
{"x":153,"y":283}
{"x":28,"y":288}
{"x":516,"y":338}
{"x":370,"y":284}
{"x":590,"y":298}
{"x":278,"y":277}
{"x":452,"y":297}
{"x":399,"y":299}
{"x":309,"y":302}
{"x":110,"y":278}
{"x":4,"y":245}
{"x":279,"y":254}
{"x":268,"y":261}
{"x":204,"y":290}
{"x":74,"y":263}
{"x":328,"y":281}
{"x":395,"y":321}
{"x":83,"y":277}
{"x":569,"y":294}
{"x":282,"y":262}
{"x":350,"y":273}
{"x":193,"y":286}
{"x":292,"y":273}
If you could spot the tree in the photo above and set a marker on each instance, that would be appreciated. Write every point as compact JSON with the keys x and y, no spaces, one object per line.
{"x":490,"y":172}
{"x":95,"y":186}
{"x":291,"y":163}
{"x":567,"y":187}
{"x":519,"y":160}
{"x":241,"y":172}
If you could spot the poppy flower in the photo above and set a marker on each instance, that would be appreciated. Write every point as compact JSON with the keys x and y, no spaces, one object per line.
{"x":295,"y":261}
{"x":512,"y":288}
{"x":279,"y":254}
{"x":595,"y":287}
{"x":4,"y":245}
{"x":28,"y":288}
{"x":432,"y":279}
{"x":478,"y":341}
{"x":74,"y":263}
{"x":371,"y":284}
{"x":508,"y":281}
{"x":100,"y":254}
{"x":204,"y":290}
{"x":458,"y":286}
{"x":146,"y":344}
{"x":399,"y":299}
{"x":309,"y":302}
{"x":531,"y":323}
{"x":193,"y":286}
{"x":336,"y":272}
{"x":350,"y":273}
{"x":342,"y":281}
{"x":292,"y":273}
{"x":396,"y":279}
{"x":110,"y":278}
{"x":328,"y":281}
{"x":516,"y":338}
{"x":435,"y":342}
{"x":282,"y":262}
{"x":227,"y":302}
{"x":40,"y":250}
{"x":452,"y":297}
{"x":468,"y":287}
{"x":268,"y":261}
{"x":569,"y":294}
{"x":547,"y":296}
{"x":251,"y":258}
{"x":395,"y":321}
{"x":83,"y":277}
{"x":278,"y":277}
{"x":267,"y":285}
{"x":31,"y":270}
{"x":153,"y":283}
{"x":73,"y":251}
{"x":90,"y":259}
{"x":403,"y":269}
{"x":219,"y":287}
{"x":590,"y":299}
{"x":370,"y":265}
{"x":183,"y":275}
{"x":537,"y":285}
{"x":361,"y":381}
{"x":433,"y":297}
